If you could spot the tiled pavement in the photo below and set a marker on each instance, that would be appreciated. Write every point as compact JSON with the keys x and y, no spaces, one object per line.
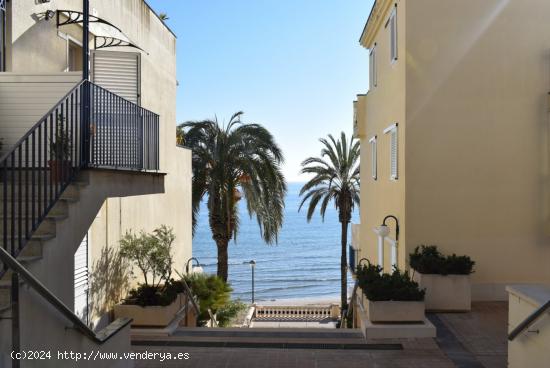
{"x":471,"y":340}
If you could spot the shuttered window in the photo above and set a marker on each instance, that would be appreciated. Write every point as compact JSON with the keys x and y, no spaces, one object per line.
{"x":374,"y":158}
{"x":81,"y":280}
{"x":394,"y":153}
{"x":393,"y":35}
{"x":118,"y":72}
{"x":373,"y":78}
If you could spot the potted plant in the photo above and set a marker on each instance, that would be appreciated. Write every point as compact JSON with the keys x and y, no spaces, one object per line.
{"x":390,"y":298}
{"x":156,"y":301}
{"x":446,"y":279}
{"x":60,"y":152}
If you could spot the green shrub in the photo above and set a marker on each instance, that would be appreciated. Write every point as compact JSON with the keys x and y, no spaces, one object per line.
{"x":429,"y":260}
{"x":152,"y":255}
{"x":211,"y":291}
{"x":229,"y":312}
{"x":379,"y":286}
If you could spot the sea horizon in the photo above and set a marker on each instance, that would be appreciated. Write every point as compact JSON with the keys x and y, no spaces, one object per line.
{"x":304,"y":264}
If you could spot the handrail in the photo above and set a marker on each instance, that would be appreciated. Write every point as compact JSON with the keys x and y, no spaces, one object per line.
{"x":190,"y":295}
{"x":99,"y":338}
{"x":349,"y":311}
{"x":532,"y":318}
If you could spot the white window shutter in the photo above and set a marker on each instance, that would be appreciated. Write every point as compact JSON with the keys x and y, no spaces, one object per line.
{"x":394,"y":153}
{"x":393,"y":35}
{"x":374,"y":158}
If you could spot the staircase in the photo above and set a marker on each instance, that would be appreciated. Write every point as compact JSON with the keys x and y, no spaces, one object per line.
{"x":42,"y":178}
{"x":46,"y":231}
{"x":273,"y":338}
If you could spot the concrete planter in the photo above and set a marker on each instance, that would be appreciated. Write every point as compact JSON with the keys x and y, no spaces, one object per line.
{"x":151,"y":316}
{"x":394,"y":311}
{"x":446,"y":293}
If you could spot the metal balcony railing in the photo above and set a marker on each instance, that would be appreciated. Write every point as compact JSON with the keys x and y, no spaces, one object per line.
{"x":89,"y":127}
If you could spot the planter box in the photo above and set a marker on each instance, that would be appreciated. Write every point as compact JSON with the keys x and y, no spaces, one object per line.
{"x":446,"y":293}
{"x":152,"y":316}
{"x":394,"y":311}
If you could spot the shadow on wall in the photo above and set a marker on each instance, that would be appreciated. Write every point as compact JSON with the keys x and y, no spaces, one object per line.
{"x":110,"y":281}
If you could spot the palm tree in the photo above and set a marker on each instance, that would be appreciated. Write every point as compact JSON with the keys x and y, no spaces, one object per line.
{"x":164,"y":17}
{"x":229,"y":163}
{"x":336,"y":179}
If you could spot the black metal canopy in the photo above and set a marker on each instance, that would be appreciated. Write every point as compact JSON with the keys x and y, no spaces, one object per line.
{"x":100,"y":42}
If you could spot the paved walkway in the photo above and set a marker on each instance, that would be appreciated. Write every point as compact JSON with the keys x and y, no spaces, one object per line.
{"x":469,"y":340}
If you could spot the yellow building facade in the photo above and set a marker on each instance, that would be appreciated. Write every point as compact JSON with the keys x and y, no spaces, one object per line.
{"x":454,"y":132}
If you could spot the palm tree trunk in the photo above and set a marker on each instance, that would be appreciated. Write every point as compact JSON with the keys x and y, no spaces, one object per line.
{"x":343,"y":267}
{"x":222,"y":245}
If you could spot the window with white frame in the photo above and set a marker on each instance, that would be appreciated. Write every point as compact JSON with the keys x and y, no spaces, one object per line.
{"x":373,"y":78}
{"x":392,"y":131}
{"x":374,"y":158}
{"x":392,"y":23}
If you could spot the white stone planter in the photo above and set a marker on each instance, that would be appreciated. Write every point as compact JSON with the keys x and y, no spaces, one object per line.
{"x":394,"y":311}
{"x":451,"y":293}
{"x":151,"y":316}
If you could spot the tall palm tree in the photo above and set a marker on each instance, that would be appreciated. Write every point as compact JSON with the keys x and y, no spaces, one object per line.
{"x":163,"y":16}
{"x":336,"y":179}
{"x":239,"y":160}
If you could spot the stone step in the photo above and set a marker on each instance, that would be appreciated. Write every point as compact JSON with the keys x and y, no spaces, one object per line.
{"x":315,"y":338}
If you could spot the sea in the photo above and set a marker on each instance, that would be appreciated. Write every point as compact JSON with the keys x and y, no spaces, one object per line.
{"x":305,"y":263}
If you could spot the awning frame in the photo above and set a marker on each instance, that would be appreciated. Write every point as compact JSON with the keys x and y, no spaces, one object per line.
{"x":100,"y":42}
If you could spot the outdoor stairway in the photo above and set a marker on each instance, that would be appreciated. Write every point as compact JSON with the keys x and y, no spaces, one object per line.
{"x":275,"y":338}
{"x":46,"y":231}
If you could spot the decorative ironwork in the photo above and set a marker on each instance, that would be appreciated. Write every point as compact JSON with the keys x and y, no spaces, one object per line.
{"x":76,"y":17}
{"x":101,"y":42}
{"x":3,"y":5}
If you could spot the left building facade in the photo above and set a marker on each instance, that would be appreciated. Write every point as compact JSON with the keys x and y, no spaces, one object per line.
{"x":119,"y":169}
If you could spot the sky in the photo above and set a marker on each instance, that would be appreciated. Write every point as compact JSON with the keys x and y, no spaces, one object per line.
{"x":294,"y":66}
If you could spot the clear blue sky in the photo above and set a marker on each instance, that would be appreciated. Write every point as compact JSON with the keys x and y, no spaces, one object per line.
{"x":293,"y":66}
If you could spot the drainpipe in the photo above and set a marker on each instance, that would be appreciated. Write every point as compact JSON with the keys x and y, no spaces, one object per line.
{"x":85,"y":95}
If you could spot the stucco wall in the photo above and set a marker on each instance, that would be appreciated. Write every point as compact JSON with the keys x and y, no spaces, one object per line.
{"x":24,"y":99}
{"x":477,"y":136}
{"x":385,"y":105}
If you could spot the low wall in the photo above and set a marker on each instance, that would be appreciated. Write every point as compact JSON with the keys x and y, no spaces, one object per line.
{"x":530,"y":348}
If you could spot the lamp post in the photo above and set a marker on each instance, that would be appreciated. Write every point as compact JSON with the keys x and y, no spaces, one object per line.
{"x":252,"y":264}
{"x":189,"y":261}
{"x":383,"y":231}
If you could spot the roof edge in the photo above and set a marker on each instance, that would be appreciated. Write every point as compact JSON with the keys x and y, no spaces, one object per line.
{"x":375,"y":20}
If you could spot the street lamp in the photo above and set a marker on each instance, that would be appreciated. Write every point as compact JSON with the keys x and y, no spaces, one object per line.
{"x":383,"y":231}
{"x":252,"y":264}
{"x":189,"y":261}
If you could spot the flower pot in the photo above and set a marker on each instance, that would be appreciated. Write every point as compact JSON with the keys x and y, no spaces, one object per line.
{"x":59,"y":169}
{"x":450,"y":293}
{"x":394,"y":311}
{"x":150,"y":316}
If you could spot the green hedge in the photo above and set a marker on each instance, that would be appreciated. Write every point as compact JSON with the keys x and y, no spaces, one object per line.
{"x":429,"y":260}
{"x":379,"y":286}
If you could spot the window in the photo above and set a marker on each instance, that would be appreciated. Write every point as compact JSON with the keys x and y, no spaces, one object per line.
{"x":74,"y":56}
{"x":374,"y":158}
{"x":392,"y":22}
{"x":392,"y":131}
{"x":373,"y":78}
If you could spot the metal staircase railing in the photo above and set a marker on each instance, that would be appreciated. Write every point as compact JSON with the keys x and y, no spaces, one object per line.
{"x":117,"y":134}
{"x":88,"y":127}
